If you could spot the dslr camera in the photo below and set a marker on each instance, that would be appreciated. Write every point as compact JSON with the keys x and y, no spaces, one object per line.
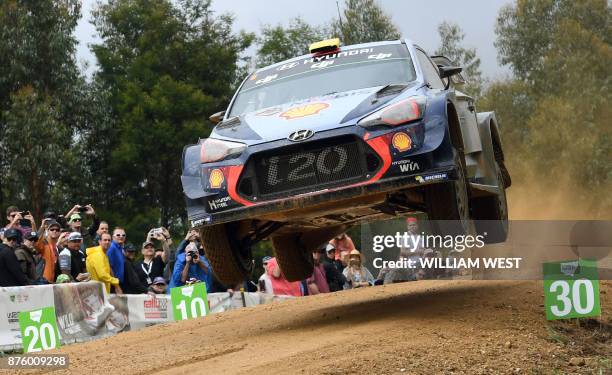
{"x":193,"y":254}
{"x":25,"y":222}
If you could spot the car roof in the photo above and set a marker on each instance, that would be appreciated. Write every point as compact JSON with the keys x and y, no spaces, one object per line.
{"x":351,"y":46}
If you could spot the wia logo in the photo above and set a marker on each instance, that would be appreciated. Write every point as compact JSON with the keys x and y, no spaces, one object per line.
{"x":410,"y":166}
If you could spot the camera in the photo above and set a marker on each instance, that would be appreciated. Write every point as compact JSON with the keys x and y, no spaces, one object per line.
{"x":25,"y":222}
{"x":157,"y":231}
{"x":82,"y":209}
{"x":193,"y":254}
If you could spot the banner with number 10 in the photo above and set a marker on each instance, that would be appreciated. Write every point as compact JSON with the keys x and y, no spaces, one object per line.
{"x":571,"y":289}
{"x":189,"y":301}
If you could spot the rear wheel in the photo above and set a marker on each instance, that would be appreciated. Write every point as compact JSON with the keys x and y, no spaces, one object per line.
{"x":230,"y":262}
{"x":448,"y":204}
{"x":491,"y":213}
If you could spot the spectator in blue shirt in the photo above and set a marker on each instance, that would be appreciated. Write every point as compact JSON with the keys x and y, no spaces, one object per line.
{"x":115,"y":253}
{"x":192,"y":264}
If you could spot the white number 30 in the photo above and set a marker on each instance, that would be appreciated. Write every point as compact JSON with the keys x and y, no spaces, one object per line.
{"x":564,"y":298}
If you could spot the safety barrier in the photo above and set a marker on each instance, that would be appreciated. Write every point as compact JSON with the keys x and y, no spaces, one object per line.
{"x":85,"y":312}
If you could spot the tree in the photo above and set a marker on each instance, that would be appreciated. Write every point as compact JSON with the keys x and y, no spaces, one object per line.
{"x":167,"y":66}
{"x":38,"y":79}
{"x":525,"y":30}
{"x":451,"y":38}
{"x":555,"y":113}
{"x":364,"y":21}
{"x":277,"y":43}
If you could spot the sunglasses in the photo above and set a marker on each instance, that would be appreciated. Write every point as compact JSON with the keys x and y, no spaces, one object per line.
{"x":76,"y":220}
{"x":119,"y":235}
{"x":54,"y":230}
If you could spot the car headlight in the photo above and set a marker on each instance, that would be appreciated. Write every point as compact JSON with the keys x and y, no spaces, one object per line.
{"x":216,"y":149}
{"x":399,"y":113}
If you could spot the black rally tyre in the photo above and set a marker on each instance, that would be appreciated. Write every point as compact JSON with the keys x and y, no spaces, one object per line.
{"x":294,"y":260}
{"x":229,"y":263}
{"x":448,"y":204}
{"x":491,"y":213}
{"x":294,"y":250}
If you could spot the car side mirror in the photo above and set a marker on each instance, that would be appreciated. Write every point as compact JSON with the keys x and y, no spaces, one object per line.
{"x":216,"y":118}
{"x":449,"y":71}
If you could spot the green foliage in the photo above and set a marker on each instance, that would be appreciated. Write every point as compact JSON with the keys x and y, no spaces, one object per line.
{"x":38,"y":114}
{"x":168,"y":66}
{"x":364,"y":21}
{"x":277,"y":43}
{"x":451,"y":38}
{"x":555,"y":114}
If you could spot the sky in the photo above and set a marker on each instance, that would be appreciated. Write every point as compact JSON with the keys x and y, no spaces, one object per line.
{"x":417,"y":20}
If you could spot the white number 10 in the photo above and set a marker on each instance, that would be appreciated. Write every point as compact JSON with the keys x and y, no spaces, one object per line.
{"x":197,"y":308}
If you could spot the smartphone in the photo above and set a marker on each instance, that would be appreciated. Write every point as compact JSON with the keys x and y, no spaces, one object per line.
{"x":157,"y":231}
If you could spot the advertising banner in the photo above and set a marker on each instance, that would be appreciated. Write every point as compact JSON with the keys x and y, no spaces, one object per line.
{"x":83,"y":311}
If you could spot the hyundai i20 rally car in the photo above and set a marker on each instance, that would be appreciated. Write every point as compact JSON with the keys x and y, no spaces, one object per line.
{"x":313,"y":145}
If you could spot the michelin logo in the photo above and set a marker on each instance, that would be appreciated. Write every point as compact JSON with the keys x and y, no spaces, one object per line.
{"x":432,"y":177}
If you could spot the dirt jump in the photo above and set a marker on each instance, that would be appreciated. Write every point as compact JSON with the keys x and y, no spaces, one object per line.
{"x":426,"y":327}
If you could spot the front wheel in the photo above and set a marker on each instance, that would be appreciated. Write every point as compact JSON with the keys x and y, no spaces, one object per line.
{"x":448,"y":204}
{"x":294,"y":250}
{"x":230,"y":262}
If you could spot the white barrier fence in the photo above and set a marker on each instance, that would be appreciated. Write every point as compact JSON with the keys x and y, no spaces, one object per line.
{"x":85,"y":312}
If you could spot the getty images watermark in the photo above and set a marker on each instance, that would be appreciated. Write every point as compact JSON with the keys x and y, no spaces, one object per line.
{"x":416,"y":252}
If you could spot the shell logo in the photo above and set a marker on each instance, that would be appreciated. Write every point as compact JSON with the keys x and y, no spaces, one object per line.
{"x":304,"y":110}
{"x":216,"y":178}
{"x":401,"y":141}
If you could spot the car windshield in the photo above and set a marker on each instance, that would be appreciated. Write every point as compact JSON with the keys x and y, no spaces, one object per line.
{"x":312,"y":77}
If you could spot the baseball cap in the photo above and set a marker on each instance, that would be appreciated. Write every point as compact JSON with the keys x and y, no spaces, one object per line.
{"x":129,"y":247}
{"x":266,"y":259}
{"x":53,"y":223}
{"x":159,"y":280}
{"x":75,"y":236}
{"x":12,"y":233}
{"x":411,"y":220}
{"x":146,"y":243}
{"x":74,"y":217}
{"x":329,"y":248}
{"x":31,"y":236}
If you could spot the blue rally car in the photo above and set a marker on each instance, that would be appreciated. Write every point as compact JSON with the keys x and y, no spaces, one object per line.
{"x":313,"y":145}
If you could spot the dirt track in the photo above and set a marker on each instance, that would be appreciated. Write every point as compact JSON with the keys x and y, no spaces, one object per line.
{"x":420,"y":327}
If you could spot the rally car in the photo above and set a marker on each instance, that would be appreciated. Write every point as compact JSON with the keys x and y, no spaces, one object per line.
{"x":313,"y":145}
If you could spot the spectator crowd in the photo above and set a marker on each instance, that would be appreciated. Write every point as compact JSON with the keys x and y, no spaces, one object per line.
{"x":62,"y":250}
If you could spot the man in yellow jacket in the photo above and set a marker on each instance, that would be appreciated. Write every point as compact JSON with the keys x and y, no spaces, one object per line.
{"x":98,"y":265}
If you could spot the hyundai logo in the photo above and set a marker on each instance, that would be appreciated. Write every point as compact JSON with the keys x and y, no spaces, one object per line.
{"x":300,"y":135}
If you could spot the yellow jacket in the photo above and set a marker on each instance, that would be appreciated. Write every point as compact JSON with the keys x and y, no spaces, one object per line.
{"x":99,"y":267}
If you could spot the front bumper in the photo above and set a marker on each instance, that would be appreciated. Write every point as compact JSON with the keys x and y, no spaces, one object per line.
{"x":212,"y":201}
{"x":199,"y":218}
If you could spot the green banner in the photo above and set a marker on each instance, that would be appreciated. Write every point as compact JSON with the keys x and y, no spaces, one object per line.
{"x":189,"y":301}
{"x":39,"y":330}
{"x":571,"y":289}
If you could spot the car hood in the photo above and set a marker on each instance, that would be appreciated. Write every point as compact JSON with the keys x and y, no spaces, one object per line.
{"x":316,"y":114}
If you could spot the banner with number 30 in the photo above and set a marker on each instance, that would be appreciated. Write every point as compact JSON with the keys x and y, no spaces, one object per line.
{"x":571,"y":289}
